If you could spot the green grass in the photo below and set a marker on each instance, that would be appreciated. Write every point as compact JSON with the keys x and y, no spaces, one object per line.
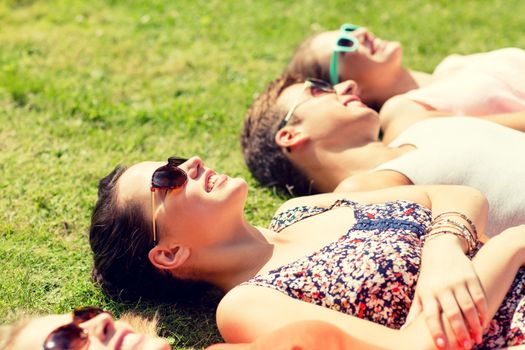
{"x":85,"y":85}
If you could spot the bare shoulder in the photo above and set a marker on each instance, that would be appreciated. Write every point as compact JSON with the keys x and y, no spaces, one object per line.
{"x":400,"y":106}
{"x":246,"y":312}
{"x":373,"y":180}
{"x":399,"y":113}
{"x":232,"y":314}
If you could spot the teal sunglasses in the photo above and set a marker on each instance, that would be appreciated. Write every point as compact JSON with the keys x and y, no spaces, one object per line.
{"x":346,"y":42}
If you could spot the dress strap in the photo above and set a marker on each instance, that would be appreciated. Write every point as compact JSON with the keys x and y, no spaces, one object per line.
{"x":290,"y":216}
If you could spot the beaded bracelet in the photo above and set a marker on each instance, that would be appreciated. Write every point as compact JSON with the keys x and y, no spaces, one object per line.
{"x":433,"y":235}
{"x":443,"y":225}
{"x":460,"y":233}
{"x":470,"y":244}
{"x":452,"y":223}
{"x":461,"y":215}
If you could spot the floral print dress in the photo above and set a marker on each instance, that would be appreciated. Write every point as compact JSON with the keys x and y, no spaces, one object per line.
{"x":371,"y":271}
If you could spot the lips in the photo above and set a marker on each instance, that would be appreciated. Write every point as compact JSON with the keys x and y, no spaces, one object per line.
{"x":210,"y":180}
{"x":351,"y":99}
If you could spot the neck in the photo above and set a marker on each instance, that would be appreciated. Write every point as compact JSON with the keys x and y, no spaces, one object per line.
{"x":237,"y":259}
{"x":329,"y":168}
{"x":380,"y":89}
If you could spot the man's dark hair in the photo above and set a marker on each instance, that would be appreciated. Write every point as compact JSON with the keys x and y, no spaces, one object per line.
{"x":265,"y":159}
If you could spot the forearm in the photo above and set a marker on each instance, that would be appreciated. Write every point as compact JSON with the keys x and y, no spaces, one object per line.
{"x":511,"y":120}
{"x":497,"y":263}
{"x":468,"y":201}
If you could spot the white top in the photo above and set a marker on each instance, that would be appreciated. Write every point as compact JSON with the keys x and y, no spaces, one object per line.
{"x":468,"y":151}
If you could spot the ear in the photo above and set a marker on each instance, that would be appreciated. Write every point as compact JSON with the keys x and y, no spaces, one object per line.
{"x":168,"y":258}
{"x":290,"y":137}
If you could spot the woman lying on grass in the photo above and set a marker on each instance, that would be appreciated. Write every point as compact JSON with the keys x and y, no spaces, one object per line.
{"x":350,"y":260}
{"x":86,"y":328}
{"x":476,"y":85}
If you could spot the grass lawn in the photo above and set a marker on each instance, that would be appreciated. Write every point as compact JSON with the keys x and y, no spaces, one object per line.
{"x":85,"y":85}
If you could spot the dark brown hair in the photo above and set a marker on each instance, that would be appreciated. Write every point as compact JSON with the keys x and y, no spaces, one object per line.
{"x":305,"y":64}
{"x":265,"y":159}
{"x":121,"y":238}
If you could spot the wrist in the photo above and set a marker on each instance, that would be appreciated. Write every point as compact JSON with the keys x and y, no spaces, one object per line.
{"x":446,"y":243}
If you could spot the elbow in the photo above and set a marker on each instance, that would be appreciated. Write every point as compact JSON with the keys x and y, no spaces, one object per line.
{"x":482,"y":213}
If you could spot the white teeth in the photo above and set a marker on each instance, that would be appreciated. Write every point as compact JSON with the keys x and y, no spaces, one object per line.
{"x":211,"y":182}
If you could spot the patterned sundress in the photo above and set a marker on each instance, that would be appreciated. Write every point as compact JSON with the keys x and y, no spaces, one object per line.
{"x":371,"y":271}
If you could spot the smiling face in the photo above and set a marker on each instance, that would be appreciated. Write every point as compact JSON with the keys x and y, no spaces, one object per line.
{"x":188,"y":214}
{"x":337,"y":120}
{"x":103,"y":331}
{"x":374,"y":59}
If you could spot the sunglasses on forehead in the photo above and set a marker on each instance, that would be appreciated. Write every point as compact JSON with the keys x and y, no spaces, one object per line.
{"x":346,"y":42}
{"x":71,"y":336}
{"x":309,"y":83}
{"x":167,"y":177}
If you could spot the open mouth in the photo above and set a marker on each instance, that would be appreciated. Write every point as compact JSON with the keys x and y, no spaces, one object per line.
{"x":214,"y":180}
{"x":353,"y":100}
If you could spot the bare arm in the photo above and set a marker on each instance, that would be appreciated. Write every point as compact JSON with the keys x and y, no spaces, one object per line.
{"x":248,"y":312}
{"x":511,"y":120}
{"x":498,"y":262}
{"x":400,"y":112}
{"x":370,"y":181}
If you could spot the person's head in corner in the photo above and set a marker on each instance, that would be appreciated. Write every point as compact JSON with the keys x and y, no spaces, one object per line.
{"x":185,"y":203}
{"x":291,"y":150}
{"x":351,"y":53}
{"x":87,"y":329}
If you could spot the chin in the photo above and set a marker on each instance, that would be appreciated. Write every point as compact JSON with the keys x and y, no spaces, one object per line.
{"x":393,"y":52}
{"x":235,"y":186}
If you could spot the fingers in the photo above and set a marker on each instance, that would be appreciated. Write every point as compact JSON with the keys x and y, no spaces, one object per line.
{"x":453,"y":314}
{"x":480,"y":300}
{"x":470,"y":314}
{"x":415,"y":309}
{"x":432,"y":314}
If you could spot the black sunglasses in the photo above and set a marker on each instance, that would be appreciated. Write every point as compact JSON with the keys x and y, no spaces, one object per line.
{"x":71,"y":336}
{"x":167,"y":177}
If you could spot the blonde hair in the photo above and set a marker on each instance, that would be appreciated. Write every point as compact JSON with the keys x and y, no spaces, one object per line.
{"x":146,"y":325}
{"x":8,"y":333}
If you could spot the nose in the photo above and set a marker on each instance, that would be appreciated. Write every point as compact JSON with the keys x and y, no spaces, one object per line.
{"x":348,"y":87}
{"x":193,"y":166}
{"x":363,"y":35}
{"x":102,"y":327}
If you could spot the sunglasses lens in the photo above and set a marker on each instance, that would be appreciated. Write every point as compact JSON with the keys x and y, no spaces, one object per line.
{"x":168,"y":176}
{"x":321,"y":84}
{"x":348,"y":27}
{"x":69,"y":336}
{"x":345,"y":42}
{"x":85,"y":314}
{"x":176,"y":161}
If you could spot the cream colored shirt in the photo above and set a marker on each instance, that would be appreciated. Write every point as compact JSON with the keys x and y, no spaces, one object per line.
{"x":473,"y":152}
